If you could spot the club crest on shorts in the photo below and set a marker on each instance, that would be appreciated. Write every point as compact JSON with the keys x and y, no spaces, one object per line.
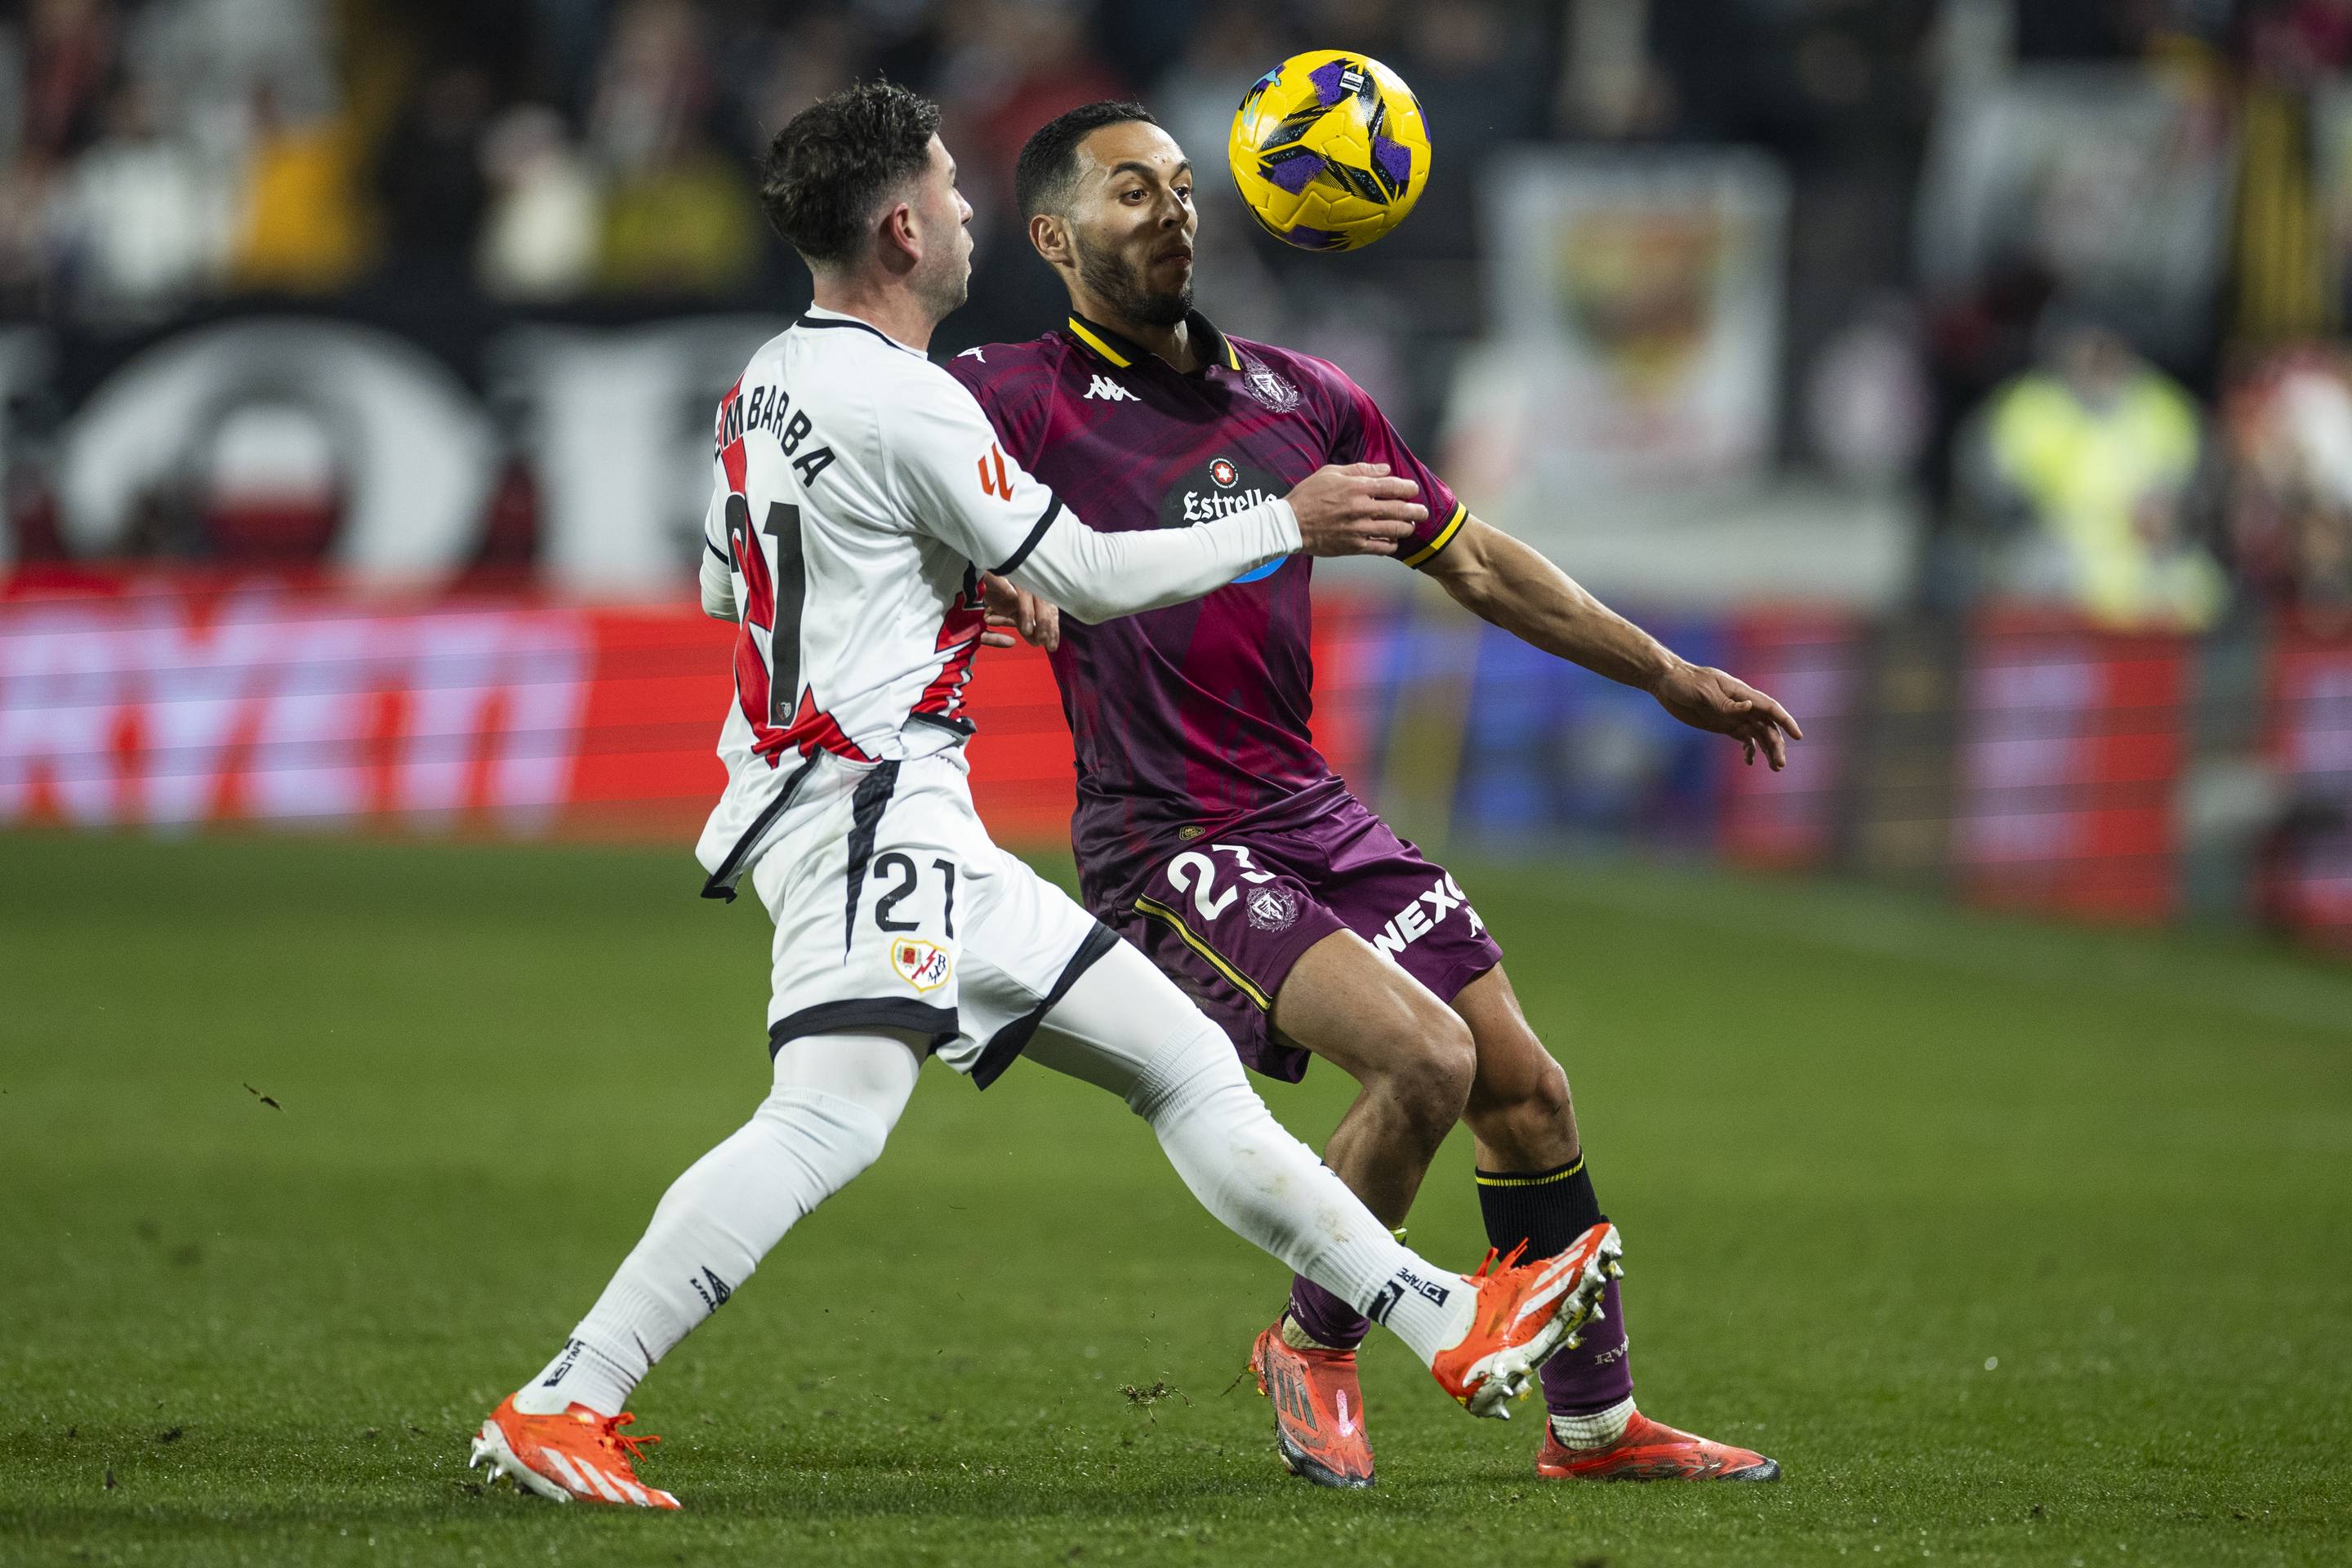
{"x":921,"y":964}
{"x":1271,"y":907}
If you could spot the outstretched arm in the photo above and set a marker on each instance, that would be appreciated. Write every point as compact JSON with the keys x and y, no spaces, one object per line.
{"x":955,"y":482}
{"x":1510,"y":584}
{"x":1357,"y":509}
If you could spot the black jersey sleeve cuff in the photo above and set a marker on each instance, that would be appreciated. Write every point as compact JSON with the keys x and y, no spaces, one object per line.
{"x":1013,"y":563}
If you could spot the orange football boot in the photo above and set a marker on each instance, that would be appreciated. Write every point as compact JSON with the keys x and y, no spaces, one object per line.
{"x":1653,"y":1451}
{"x":578,"y":1454}
{"x":1525,"y":1312}
{"x":1318,"y":1410}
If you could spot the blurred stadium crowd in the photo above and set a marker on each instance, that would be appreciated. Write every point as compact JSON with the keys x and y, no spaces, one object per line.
{"x":436,"y":164}
{"x":2053,"y":297}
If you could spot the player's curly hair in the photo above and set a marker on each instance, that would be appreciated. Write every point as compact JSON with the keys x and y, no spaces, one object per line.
{"x":835,"y":160}
{"x":1048,"y":166}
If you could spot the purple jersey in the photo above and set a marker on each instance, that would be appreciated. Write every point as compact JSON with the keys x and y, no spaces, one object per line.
{"x":1193,"y":715}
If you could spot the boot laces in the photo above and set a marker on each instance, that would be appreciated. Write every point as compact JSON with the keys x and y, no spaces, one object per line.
{"x":1488,"y":1269}
{"x":611,"y":1436}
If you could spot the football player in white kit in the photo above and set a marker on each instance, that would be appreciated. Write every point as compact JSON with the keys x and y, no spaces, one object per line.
{"x":859,"y":496}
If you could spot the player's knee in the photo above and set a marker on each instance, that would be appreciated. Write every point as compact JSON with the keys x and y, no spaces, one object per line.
{"x":837,"y":1138}
{"x":1545,"y":1097}
{"x":1191,"y":1064}
{"x":1431,"y":1062}
{"x":1524,"y":1108}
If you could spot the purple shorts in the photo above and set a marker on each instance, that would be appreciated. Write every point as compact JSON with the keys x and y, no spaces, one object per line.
{"x":1226,"y":916}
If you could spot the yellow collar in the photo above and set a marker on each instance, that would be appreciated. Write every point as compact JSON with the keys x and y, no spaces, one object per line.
{"x":1125,"y":355}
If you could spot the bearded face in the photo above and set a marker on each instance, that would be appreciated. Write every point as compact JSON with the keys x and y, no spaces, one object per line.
{"x":1119,"y":276}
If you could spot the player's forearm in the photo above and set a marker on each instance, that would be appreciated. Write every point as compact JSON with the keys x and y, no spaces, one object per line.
{"x":1510,"y":584}
{"x":1096,"y":576}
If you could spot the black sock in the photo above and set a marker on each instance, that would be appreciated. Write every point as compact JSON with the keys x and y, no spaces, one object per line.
{"x":1545,"y":1209}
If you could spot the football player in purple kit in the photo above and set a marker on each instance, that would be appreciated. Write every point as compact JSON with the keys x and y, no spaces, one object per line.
{"x":1211,"y":834}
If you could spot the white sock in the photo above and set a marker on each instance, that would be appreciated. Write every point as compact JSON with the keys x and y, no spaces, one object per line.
{"x":1298,"y":1338}
{"x":1126,"y":1026}
{"x":836,"y":1098}
{"x":580,"y":1376}
{"x":1596,"y":1430}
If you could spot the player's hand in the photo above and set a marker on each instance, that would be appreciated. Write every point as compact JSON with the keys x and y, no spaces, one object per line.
{"x":1038,"y":621}
{"x":1358,"y":509}
{"x":1708,"y":699}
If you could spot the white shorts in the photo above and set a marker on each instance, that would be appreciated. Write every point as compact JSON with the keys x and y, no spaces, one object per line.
{"x":895,"y":911}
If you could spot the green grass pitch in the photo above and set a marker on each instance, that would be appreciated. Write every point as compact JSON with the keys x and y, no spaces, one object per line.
{"x":2014,"y":1244}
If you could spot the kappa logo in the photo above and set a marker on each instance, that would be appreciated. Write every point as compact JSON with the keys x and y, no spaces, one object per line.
{"x":1414,"y":921}
{"x":922,"y":965}
{"x":1271,"y":907}
{"x":973,"y":353}
{"x":1109,"y":391}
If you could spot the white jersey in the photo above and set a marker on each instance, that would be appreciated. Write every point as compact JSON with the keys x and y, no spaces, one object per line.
{"x":858,"y":494}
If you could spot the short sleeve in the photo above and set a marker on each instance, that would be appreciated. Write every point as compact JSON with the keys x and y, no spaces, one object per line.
{"x":953,"y":479}
{"x":717,"y":575}
{"x":717,"y":560}
{"x":714,"y":516}
{"x":1378,"y":442}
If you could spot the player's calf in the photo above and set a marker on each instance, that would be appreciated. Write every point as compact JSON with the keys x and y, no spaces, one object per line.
{"x":1416,"y":1061}
{"x":1593,"y":1432}
{"x":1125,"y":1026}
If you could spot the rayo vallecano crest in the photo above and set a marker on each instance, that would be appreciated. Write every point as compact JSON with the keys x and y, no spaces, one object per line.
{"x":921,"y":964}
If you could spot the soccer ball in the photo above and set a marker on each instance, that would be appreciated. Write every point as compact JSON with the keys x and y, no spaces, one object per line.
{"x":1329,"y":151}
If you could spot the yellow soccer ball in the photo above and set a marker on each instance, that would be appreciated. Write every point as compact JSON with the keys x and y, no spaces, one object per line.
{"x":1330,"y":150}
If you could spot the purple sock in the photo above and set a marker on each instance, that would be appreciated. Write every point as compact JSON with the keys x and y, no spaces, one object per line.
{"x":1597,"y":1373}
{"x":1327,"y":1319}
{"x":1547,"y":1210}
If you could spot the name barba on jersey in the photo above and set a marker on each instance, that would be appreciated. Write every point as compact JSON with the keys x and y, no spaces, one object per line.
{"x":769,"y":408}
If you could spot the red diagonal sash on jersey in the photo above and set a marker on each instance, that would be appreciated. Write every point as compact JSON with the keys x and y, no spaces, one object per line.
{"x":752,"y":684}
{"x":959,"y":630}
{"x":755,"y":689}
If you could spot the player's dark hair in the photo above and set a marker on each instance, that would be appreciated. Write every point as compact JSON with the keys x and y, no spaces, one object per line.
{"x":1048,"y":168}
{"x":835,"y":160}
